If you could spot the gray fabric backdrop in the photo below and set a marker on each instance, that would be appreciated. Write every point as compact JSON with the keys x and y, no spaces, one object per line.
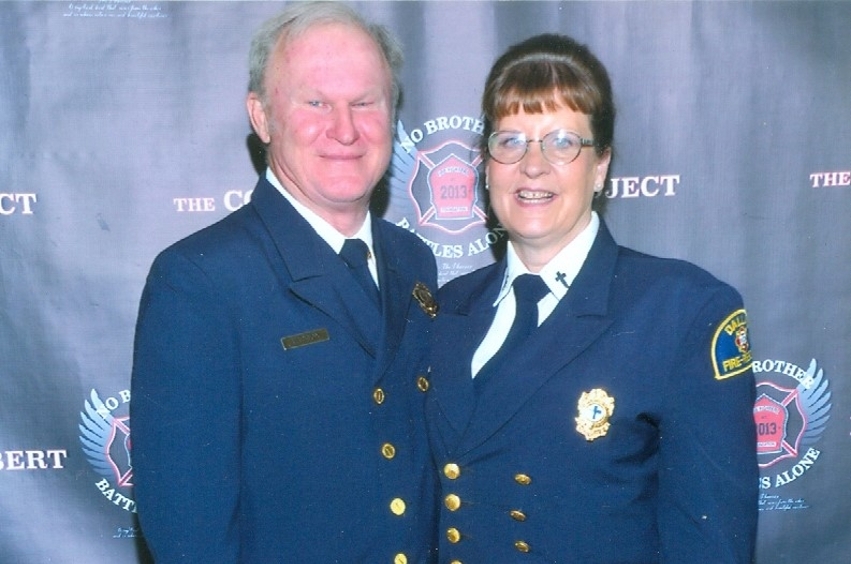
{"x":123,"y":129}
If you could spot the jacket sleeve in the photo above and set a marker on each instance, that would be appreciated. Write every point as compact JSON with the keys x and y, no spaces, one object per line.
{"x":185,"y":392}
{"x":708,"y":472}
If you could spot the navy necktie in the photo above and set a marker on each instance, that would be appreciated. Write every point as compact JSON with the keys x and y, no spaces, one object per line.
{"x":528,"y":291}
{"x":355,"y":254}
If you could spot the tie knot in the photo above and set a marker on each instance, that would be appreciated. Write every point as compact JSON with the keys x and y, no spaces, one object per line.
{"x":355,"y":253}
{"x":529,"y":288}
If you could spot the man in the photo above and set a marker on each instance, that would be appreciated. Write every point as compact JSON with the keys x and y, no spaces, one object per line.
{"x":277,"y":410}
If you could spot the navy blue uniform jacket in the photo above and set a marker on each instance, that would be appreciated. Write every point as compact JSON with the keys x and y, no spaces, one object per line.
{"x":275,"y":417}
{"x":673,"y":478}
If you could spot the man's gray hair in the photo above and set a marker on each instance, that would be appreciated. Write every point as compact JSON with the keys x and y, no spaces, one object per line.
{"x":300,"y":17}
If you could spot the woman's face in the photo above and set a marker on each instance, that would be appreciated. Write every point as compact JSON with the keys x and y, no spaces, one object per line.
{"x":544,"y":206}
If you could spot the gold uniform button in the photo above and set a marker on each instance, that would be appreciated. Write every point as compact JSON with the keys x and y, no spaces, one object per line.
{"x":388,"y":451}
{"x":453,"y":535}
{"x":397,"y":506}
{"x":378,"y":396}
{"x":456,"y":562}
{"x":451,"y":471}
{"x":517,"y":515}
{"x":522,"y":479}
{"x":400,"y":559}
{"x":422,"y":383}
{"x":452,"y":502}
{"x":521,"y":546}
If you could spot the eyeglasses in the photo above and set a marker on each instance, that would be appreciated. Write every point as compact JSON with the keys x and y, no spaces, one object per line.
{"x":560,"y":147}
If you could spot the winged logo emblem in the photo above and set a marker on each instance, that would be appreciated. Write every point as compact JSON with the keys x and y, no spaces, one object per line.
{"x":105,"y":441}
{"x":788,"y":419}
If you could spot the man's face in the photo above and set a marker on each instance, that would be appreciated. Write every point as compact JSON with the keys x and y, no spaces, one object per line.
{"x":327,"y":119}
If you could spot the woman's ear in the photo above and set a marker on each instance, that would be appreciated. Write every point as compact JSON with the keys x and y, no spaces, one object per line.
{"x":602,"y":170}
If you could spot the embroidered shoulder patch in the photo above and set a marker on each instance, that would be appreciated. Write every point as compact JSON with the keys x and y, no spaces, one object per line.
{"x":731,"y":350}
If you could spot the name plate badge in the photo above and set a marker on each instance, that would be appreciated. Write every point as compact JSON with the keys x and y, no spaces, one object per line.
{"x":304,"y":339}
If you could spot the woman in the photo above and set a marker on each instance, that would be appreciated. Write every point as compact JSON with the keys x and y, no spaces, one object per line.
{"x":621,"y":430}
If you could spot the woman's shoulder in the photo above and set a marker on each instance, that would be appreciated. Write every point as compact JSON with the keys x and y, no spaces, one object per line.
{"x":473,"y":283}
{"x":664,"y":266}
{"x":673,"y":276}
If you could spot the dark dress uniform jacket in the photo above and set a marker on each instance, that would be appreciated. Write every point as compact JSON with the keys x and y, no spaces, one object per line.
{"x":674,"y":478}
{"x":275,"y":417}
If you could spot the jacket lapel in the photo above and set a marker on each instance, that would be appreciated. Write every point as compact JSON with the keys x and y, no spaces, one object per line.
{"x":580,"y":319}
{"x":316,"y":273}
{"x":397,"y":282}
{"x":462,"y":329}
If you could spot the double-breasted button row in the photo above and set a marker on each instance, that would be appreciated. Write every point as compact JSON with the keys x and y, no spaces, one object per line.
{"x":388,"y":451}
{"x":452,"y":501}
{"x":518,"y":515}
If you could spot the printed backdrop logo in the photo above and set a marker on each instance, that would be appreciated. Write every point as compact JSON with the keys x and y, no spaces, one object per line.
{"x":444,"y":188}
{"x":437,"y":193}
{"x":105,"y":440}
{"x":791,"y":412}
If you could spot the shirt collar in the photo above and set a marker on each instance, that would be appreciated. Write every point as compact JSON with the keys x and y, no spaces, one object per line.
{"x":558,"y":274}
{"x":324,"y":229}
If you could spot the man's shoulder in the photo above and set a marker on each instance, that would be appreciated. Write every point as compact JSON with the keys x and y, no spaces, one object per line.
{"x":406,"y":248}
{"x":223,"y":239}
{"x":398,"y":236}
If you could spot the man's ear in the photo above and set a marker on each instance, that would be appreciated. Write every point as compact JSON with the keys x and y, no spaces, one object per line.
{"x":257,"y":115}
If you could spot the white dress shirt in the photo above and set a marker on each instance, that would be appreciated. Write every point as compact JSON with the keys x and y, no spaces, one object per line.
{"x":558,"y":274}
{"x":325,"y":230}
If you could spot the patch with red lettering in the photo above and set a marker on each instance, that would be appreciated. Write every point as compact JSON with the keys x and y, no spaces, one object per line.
{"x":731,"y":350}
